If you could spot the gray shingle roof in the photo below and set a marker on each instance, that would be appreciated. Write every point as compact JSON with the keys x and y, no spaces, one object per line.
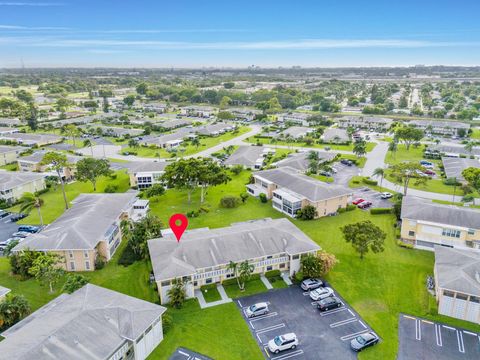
{"x":415,"y":208}
{"x":455,"y":149}
{"x":300,"y":161}
{"x":12,"y":179}
{"x":201,"y":248}
{"x":91,"y":323}
{"x":457,"y":270}
{"x":455,"y":166}
{"x":9,"y":149}
{"x":163,"y":139}
{"x":440,"y":124}
{"x":146,"y":166}
{"x":83,"y":225}
{"x":37,"y":157}
{"x":332,"y":133}
{"x":171,"y":124}
{"x":32,"y":138}
{"x":311,"y":189}
{"x":245,"y":155}
{"x":296,"y":131}
{"x":4,"y":291}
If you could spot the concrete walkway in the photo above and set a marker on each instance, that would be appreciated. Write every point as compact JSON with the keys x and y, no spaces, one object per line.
{"x":203,"y":304}
{"x":265,"y":281}
{"x":285,"y":276}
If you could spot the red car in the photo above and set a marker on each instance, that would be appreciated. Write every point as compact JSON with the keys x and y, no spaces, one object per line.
{"x":364,"y":204}
{"x":429,"y":172}
{"x":357,"y":201}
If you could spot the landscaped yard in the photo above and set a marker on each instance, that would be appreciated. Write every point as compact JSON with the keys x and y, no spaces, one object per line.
{"x":254,"y":286}
{"x":54,"y":205}
{"x":475,"y":133}
{"x":402,"y":154}
{"x":210,"y":293}
{"x":293,"y":144}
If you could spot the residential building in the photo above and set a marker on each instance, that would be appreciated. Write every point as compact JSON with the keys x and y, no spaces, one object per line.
{"x":291,"y":191}
{"x":3,"y":293}
{"x":174,"y":123}
{"x":33,"y":162}
{"x":91,"y":323}
{"x":197,"y":111}
{"x":250,"y":157}
{"x":335,"y":135}
{"x":32,"y":139}
{"x":365,"y":123}
{"x":8,"y":130}
{"x":300,"y":162}
{"x":296,"y":132}
{"x":295,"y":118}
{"x":214,"y":129}
{"x":87,"y":232}
{"x":169,"y":141}
{"x":439,"y":127}
{"x":244,"y":114}
{"x":14,"y":184}
{"x":10,"y":122}
{"x":119,"y":131}
{"x":203,"y":255}
{"x":455,"y":166}
{"x":425,"y":224}
{"x":158,"y":108}
{"x":457,"y":283}
{"x":9,"y":154}
{"x":144,"y":174}
{"x":452,"y":150}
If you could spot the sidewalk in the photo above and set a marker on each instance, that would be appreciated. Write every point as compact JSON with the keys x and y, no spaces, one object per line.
{"x":203,"y":304}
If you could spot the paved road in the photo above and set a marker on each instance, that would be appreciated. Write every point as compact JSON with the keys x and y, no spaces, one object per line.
{"x":376,"y":158}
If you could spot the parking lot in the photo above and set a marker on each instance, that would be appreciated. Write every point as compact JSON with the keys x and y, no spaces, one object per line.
{"x":424,"y":340}
{"x":186,"y":354}
{"x":372,"y":196}
{"x":324,"y":335}
{"x":7,"y":228}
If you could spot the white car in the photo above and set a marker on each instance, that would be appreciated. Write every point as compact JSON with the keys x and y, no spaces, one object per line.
{"x":283,"y":342}
{"x":257,"y":310}
{"x":386,"y":195}
{"x":321,"y":293}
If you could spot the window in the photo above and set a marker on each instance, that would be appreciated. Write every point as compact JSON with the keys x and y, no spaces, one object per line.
{"x":85,"y":254}
{"x":269,"y":268}
{"x":70,"y":254}
{"x":411,"y":233}
{"x":277,"y":196}
{"x":475,"y":299}
{"x":282,"y":266}
{"x":296,"y":257}
{"x":471,"y":231}
{"x":451,"y":233}
{"x":87,"y":265}
{"x":165,"y":283}
{"x":462,"y":296}
{"x":208,"y":281}
{"x":72,"y":265}
{"x":448,"y":293}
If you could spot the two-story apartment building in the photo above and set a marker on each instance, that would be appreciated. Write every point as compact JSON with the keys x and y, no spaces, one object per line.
{"x":91,"y":323}
{"x":296,"y":132}
{"x":9,"y":154}
{"x":203,"y":255}
{"x":29,"y":139}
{"x":365,"y":123}
{"x":291,"y":191}
{"x":88,"y":231}
{"x":14,"y":184}
{"x":426,"y":224}
{"x":144,"y":174}
{"x":33,"y":162}
{"x":295,"y":118}
{"x":250,"y":157}
{"x":450,"y":128}
{"x":457,"y":283}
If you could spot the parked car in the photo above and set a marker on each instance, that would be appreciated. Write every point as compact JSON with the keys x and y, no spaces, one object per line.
{"x":257,"y":310}
{"x":363,"y":341}
{"x":3,"y":214}
{"x":21,"y":234}
{"x":346,"y":162}
{"x":16,"y":217}
{"x":329,"y":303}
{"x":358,"y":201}
{"x":386,"y":195}
{"x":429,"y":172}
{"x":321,"y":293}
{"x":283,"y":342}
{"x":364,"y":205}
{"x":29,"y":228}
{"x":325,"y":173}
{"x":426,"y":164}
{"x":311,"y":284}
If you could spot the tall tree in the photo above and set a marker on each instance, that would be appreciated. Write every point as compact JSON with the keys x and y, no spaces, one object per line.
{"x":28,"y":201}
{"x":393,"y":147}
{"x":182,"y":174}
{"x":407,"y":171}
{"x":177,"y":293}
{"x":57,"y":162}
{"x":129,"y":100}
{"x":210,"y":174}
{"x":360,"y":148}
{"x":90,"y":169}
{"x":13,"y":309}
{"x":88,"y":142}
{"x":46,"y":269}
{"x":32,"y":117}
{"x":71,"y":131}
{"x":364,"y":236}
{"x":379,"y":172}
{"x":409,"y":135}
{"x":244,"y":272}
{"x":137,"y":233}
{"x":472,"y":176}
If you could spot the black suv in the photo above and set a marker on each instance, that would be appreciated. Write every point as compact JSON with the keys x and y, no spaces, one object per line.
{"x":329,"y":303}
{"x":346,"y":162}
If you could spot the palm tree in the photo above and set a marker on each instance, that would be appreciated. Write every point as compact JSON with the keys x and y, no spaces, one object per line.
{"x":313,"y":155}
{"x":29,"y":201}
{"x":245,"y":270}
{"x":196,"y":142}
{"x":469,"y":146}
{"x":233,"y":266}
{"x":379,"y":172}
{"x":360,"y":148}
{"x":88,"y":142}
{"x":392,"y":147}
{"x":133,"y":143}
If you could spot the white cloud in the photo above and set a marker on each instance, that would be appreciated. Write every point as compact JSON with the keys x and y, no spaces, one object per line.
{"x":19,"y":27}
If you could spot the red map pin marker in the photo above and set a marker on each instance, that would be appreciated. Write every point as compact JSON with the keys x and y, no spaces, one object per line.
{"x":178,"y":223}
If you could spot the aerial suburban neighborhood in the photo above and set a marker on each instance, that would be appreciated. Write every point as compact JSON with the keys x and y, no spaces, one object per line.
{"x":223,"y":181}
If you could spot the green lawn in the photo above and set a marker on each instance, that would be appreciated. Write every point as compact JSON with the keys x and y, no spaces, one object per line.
{"x":356,"y":182}
{"x":475,"y":133}
{"x":402,"y":154}
{"x":210,"y":294}
{"x":277,"y":282}
{"x":360,"y":161}
{"x":10,"y":167}
{"x":54,"y":205}
{"x":205,"y":143}
{"x":252,"y":287}
{"x":293,"y":144}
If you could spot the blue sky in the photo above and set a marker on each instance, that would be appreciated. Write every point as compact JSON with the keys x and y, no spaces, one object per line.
{"x":266,"y":33}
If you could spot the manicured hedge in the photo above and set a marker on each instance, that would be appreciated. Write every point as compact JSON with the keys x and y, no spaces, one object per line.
{"x":208,"y":287}
{"x":272,"y":273}
{"x":378,"y":211}
{"x":369,"y":181}
{"x":234,"y":280}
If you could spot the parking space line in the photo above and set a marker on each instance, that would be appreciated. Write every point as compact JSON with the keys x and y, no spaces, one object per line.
{"x":461,"y":346}
{"x":361,"y":323}
{"x":330,"y":312}
{"x":438,"y":334}
{"x":351,"y":336}
{"x":289,"y":355}
{"x":266,"y":351}
{"x":409,"y":317}
{"x":306,"y":293}
{"x":270,"y":328}
{"x":239,"y":303}
{"x":448,"y":327}
{"x":183,"y":353}
{"x":343,"y":322}
{"x":418,"y":330}
{"x":469,"y":333}
{"x":351,"y":312}
{"x":261,"y":318}
{"x":427,"y":322}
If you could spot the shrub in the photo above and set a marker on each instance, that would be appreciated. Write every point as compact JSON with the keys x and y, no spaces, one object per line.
{"x":237,"y":169}
{"x":404,"y":244}
{"x":193,"y":213}
{"x":167,"y":322}
{"x":110,"y":188}
{"x":244,"y":197}
{"x":368,"y":181}
{"x":451,"y":182}
{"x":204,"y":209}
{"x":350,"y":207}
{"x":262,"y":197}
{"x":99,"y":263}
{"x":128,"y":257}
{"x":272,"y":273}
{"x":230,"y":201}
{"x":468,"y":198}
{"x":307,"y":213}
{"x":155,"y":190}
{"x":378,"y":211}
{"x":341,"y":210}
{"x":74,"y":282}
{"x":298,"y":277}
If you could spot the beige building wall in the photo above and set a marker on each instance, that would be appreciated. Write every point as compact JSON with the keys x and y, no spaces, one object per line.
{"x":325,"y":207}
{"x":31,"y":187}
{"x":8,"y":157}
{"x":78,"y":260}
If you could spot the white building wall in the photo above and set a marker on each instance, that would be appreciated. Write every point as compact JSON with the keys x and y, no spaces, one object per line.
{"x":149,"y":341}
